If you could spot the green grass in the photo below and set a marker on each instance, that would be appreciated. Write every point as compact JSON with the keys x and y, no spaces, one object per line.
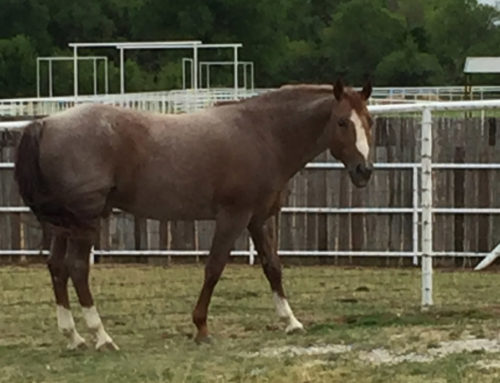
{"x":147,"y":311}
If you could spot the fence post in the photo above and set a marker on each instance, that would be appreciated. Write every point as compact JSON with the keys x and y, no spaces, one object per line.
{"x":426,"y":160}
{"x":251,"y":251}
{"x":415,"y":203}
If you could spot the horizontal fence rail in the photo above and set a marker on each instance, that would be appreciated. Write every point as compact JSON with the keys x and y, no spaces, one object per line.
{"x":415,"y":209}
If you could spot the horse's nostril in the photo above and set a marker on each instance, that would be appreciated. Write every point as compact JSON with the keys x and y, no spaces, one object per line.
{"x":365,"y":171}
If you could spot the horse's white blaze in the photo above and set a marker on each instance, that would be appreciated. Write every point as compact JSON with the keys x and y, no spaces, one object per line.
{"x":285,"y":312}
{"x":66,"y":325}
{"x":361,"y":139}
{"x":94,"y":323}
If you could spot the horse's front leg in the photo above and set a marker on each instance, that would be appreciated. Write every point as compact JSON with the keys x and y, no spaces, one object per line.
{"x":78,"y":265}
{"x":229,"y":225}
{"x":263,"y":240}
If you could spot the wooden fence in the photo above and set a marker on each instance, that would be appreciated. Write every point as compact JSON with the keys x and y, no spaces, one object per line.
{"x":396,"y":139}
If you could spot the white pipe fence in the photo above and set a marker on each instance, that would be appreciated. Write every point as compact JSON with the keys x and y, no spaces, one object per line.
{"x":422,"y":209}
{"x":189,"y":100}
{"x":426,"y":175}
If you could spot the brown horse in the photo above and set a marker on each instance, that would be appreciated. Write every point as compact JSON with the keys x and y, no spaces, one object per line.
{"x":229,"y":163}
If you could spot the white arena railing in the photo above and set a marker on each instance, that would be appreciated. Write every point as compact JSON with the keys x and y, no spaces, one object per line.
{"x":176,"y":101}
{"x":422,"y":205}
{"x":188,"y":100}
{"x":437,"y":93}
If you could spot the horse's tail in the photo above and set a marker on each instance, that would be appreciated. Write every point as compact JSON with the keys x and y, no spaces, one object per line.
{"x":27,"y":170}
{"x":32,"y":185}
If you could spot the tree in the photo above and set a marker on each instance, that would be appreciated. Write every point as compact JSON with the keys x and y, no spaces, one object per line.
{"x":401,"y":42}
{"x":408,"y":66}
{"x":17,"y":67}
{"x":361,"y":34}
{"x":457,"y":29}
{"x":76,"y":21}
{"x":29,"y":18}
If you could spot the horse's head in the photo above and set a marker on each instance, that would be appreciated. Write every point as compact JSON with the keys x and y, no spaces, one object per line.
{"x":351,"y":132}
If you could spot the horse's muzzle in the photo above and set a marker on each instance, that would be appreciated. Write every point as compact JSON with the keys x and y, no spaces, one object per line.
{"x":360,"y":174}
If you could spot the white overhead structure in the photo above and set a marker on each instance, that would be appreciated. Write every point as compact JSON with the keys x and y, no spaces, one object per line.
{"x":195,"y":45}
{"x":482,"y":65}
{"x":121,"y":47}
{"x":479,"y":65}
{"x":247,"y":68}
{"x":51,"y":59}
{"x":234,"y":47}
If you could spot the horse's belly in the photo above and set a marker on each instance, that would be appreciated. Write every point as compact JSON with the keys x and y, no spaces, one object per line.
{"x":166,"y":205}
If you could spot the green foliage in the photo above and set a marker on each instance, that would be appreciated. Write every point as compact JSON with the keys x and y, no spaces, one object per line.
{"x":408,"y":66}
{"x":17,"y":64}
{"x":361,"y":34}
{"x":396,"y":42}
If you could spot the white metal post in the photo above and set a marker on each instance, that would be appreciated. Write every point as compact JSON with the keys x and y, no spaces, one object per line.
{"x":489,"y":259}
{"x":95,"y":76}
{"x":200,"y":73}
{"x":122,"y":71}
{"x":51,"y":92}
{"x":106,"y":80}
{"x":208,"y":76}
{"x":184,"y":73}
{"x":245,"y":76}
{"x":38,"y":77}
{"x":195,"y":67}
{"x":75,"y":72}
{"x":251,"y":75}
{"x":415,"y":214}
{"x":235,"y":72}
{"x":251,"y":251}
{"x":426,"y":159}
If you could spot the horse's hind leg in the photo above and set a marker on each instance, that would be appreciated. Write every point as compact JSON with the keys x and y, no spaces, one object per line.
{"x":59,"y":275}
{"x":78,"y":265}
{"x":262,"y":237}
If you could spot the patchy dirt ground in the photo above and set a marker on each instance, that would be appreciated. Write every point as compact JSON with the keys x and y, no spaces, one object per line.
{"x":381,"y":355}
{"x":362,"y":325}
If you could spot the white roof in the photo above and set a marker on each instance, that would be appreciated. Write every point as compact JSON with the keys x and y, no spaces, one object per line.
{"x":482,"y":65}
{"x":154,"y":45}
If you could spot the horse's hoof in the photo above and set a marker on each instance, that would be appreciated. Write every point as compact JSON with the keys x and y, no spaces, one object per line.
{"x":107,"y":346}
{"x":77,"y":345}
{"x":204,"y":339}
{"x":294,"y":328}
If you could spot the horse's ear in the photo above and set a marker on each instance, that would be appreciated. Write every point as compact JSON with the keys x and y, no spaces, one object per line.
{"x":338,"y":90}
{"x":366,"y":91}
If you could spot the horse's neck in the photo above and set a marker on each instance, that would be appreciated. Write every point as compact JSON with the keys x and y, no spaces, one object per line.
{"x":299,"y":130}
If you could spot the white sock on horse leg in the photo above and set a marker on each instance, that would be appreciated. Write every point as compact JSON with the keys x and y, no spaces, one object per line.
{"x":94,"y":323}
{"x":285,"y":312}
{"x":66,"y":326}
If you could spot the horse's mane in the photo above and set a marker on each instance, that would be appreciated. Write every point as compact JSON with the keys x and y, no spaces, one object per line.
{"x":284,"y":89}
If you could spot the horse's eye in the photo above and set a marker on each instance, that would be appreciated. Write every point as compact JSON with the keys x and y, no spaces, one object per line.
{"x":343,"y":122}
